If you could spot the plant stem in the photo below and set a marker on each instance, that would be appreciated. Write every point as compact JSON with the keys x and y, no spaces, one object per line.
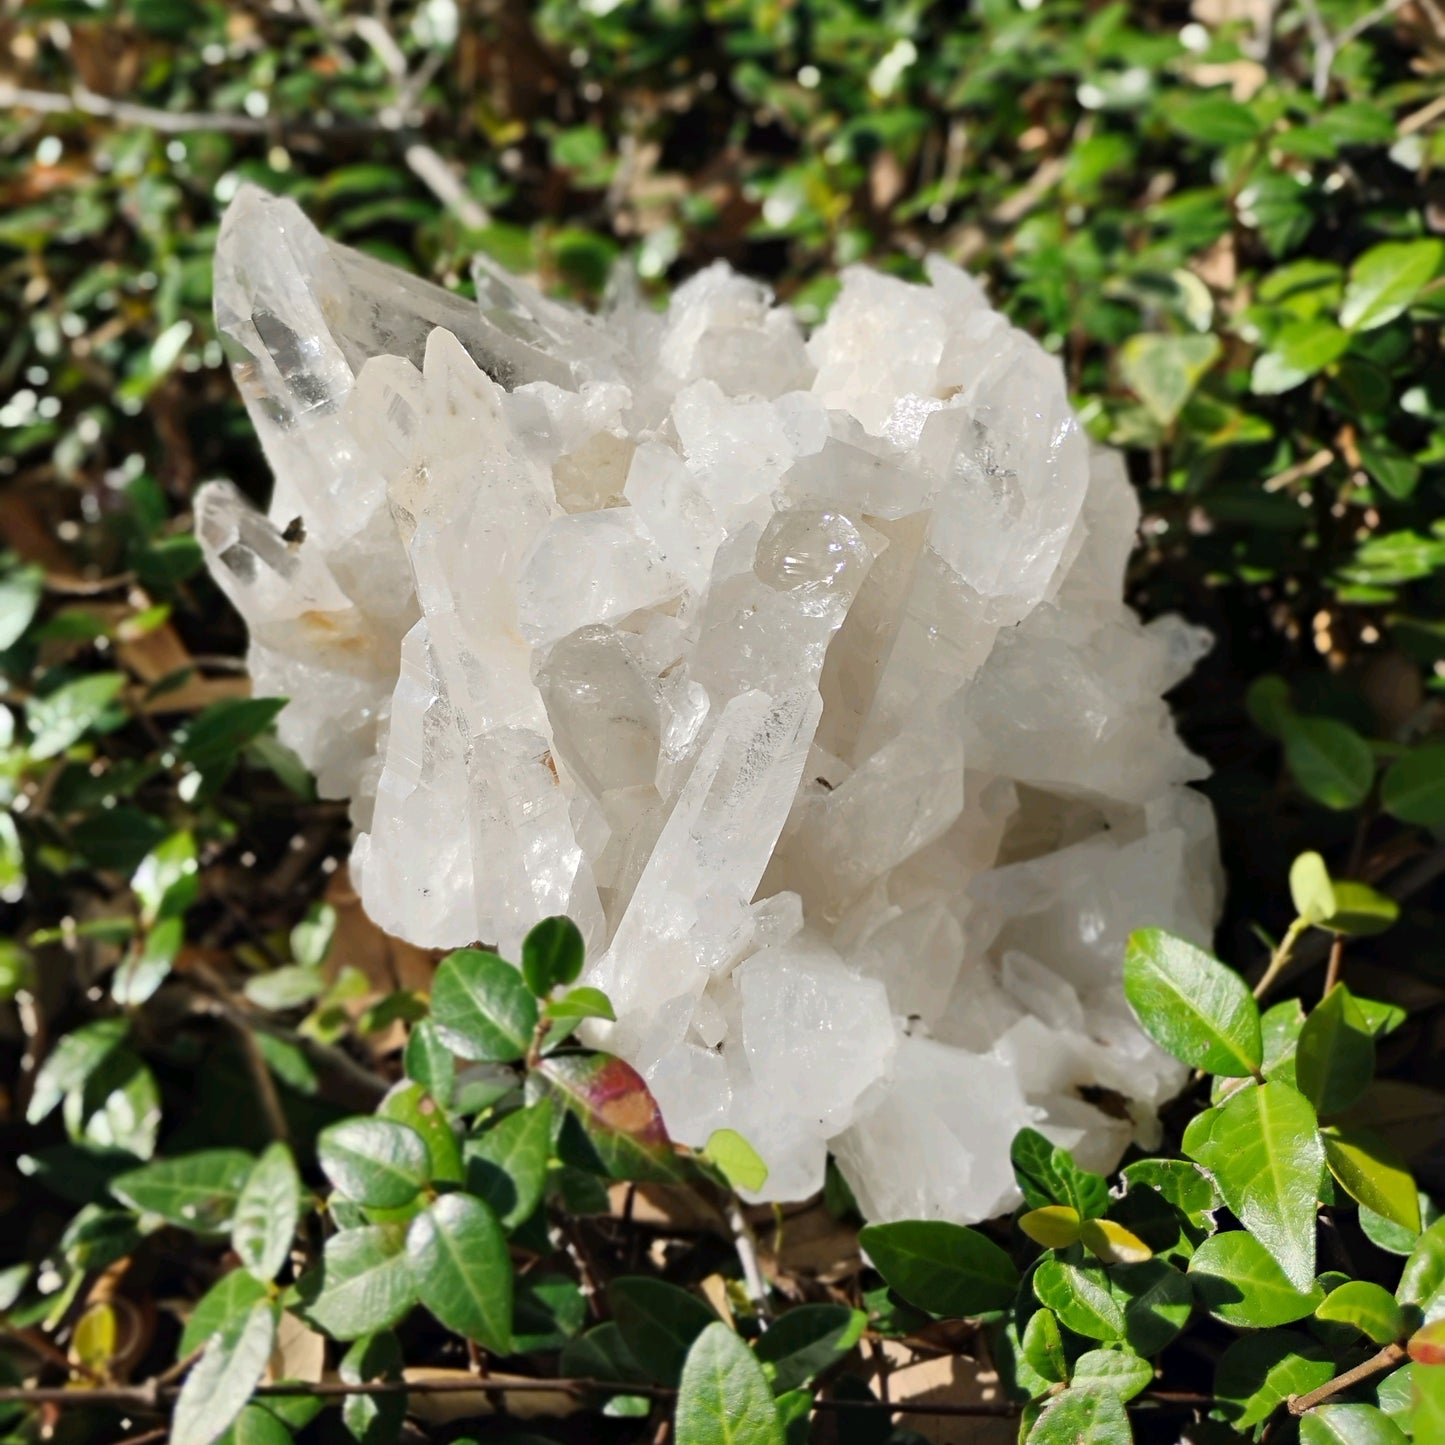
{"x":1280,"y":960}
{"x":1389,"y":1357}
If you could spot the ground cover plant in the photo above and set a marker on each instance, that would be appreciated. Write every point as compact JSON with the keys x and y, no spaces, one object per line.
{"x":257,"y":1160}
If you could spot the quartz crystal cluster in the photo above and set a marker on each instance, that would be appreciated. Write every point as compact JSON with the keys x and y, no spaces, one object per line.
{"x":793,"y":667}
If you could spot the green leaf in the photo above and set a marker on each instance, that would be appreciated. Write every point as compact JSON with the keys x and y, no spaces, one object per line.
{"x":1048,"y":1175}
{"x":659,"y":1323}
{"x":1081,"y":1297}
{"x":1423,"y":1281}
{"x":1280,"y":1027}
{"x":1360,"y":910}
{"x":166,"y":882}
{"x":376,"y":1162}
{"x":615,"y":1108}
{"x":808,"y":1340}
{"x":1083,"y":1417}
{"x":1414,"y":788}
{"x":482,"y":1008}
{"x":1055,"y":1226}
{"x":1350,"y":1425}
{"x":256,"y":1425}
{"x":944,"y":1268}
{"x":1192,"y":1005}
{"x":311,"y":938}
{"x":1211,"y":117}
{"x":267,"y":1212}
{"x":287,"y":987}
{"x":1238,"y":1281}
{"x":1335,"y":1057}
{"x":580,"y":1003}
{"x":1330,"y":761}
{"x":1371,"y":1173}
{"x":410,"y":1104}
{"x":61,"y":718}
{"x":1258,"y":1373}
{"x":75,"y":1057}
{"x":738,"y":1162}
{"x":600,"y":1354}
{"x":1386,"y":279}
{"x":724,"y":1398}
{"x":462,"y":1269}
{"x":217,"y":733}
{"x":1163,"y":371}
{"x":429,"y":1062}
{"x":1396,"y":1238}
{"x":1310,"y":888}
{"x":1043,"y":1347}
{"x":1429,"y":1413}
{"x":1120,"y":1372}
{"x":20,"y":592}
{"x":552,"y":955}
{"x":1368,"y":1307}
{"x":223,"y":1307}
{"x":1265,"y":1154}
{"x":221,"y":1381}
{"x":363,"y":1284}
{"x":506,"y":1166}
{"x":373,"y":1419}
{"x":195,"y":1191}
{"x":1298,"y":351}
{"x":1182,"y":1183}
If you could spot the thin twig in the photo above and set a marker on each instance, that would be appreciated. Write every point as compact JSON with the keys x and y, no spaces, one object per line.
{"x":747,"y":1251}
{"x":1387,"y":1359}
{"x":1281,"y":957}
{"x":1337,"y":958}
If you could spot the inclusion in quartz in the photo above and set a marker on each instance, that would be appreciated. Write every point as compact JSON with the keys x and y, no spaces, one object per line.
{"x":793,"y":668}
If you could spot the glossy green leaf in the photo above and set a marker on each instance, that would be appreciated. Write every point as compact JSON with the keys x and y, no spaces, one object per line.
{"x":1330,"y":761}
{"x":218,"y":733}
{"x":579,"y":1003}
{"x":1120,"y":1372}
{"x":195,"y":1191}
{"x":552,"y":955}
{"x":1213,"y":118}
{"x":373,"y":1419}
{"x":1265,"y":1154}
{"x":803,"y":1343}
{"x":256,"y":1425}
{"x":61,"y":718}
{"x":363,"y":1284}
{"x":1083,"y":1417}
{"x":506,"y":1164}
{"x":1081,"y":1297}
{"x":1386,"y":279}
{"x":1048,"y":1175}
{"x":1259,"y":1372}
{"x":482,"y":1008}
{"x":724,"y":1397}
{"x":1112,"y":1242}
{"x":1368,"y":1307}
{"x":1238,"y":1281}
{"x":659,"y":1323}
{"x":1192,"y":1005}
{"x":223,"y":1307}
{"x":1422,"y":1282}
{"x":1043,"y":1347}
{"x":739,"y":1163}
{"x":1348,"y":1424}
{"x":1413,"y":790}
{"x":74,"y":1058}
{"x":376,"y":1162}
{"x":20,"y":592}
{"x":429,"y":1062}
{"x":1360,"y":910}
{"x":1372,"y":1173}
{"x":1163,"y":371}
{"x":409,"y":1103}
{"x":267,"y":1212}
{"x":1335,"y":1057}
{"x":221,"y":1381}
{"x":601,"y":1354}
{"x":462,"y":1269}
{"x":1396,"y":1238}
{"x":944,"y":1268}
{"x":1181,"y":1182}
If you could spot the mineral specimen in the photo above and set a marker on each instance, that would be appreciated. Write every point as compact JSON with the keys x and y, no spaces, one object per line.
{"x":794,"y":668}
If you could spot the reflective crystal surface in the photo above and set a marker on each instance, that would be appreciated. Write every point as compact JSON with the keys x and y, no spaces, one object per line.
{"x":794,"y":668}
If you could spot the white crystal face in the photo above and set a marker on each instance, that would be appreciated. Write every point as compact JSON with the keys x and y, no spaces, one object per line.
{"x":795,"y":669}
